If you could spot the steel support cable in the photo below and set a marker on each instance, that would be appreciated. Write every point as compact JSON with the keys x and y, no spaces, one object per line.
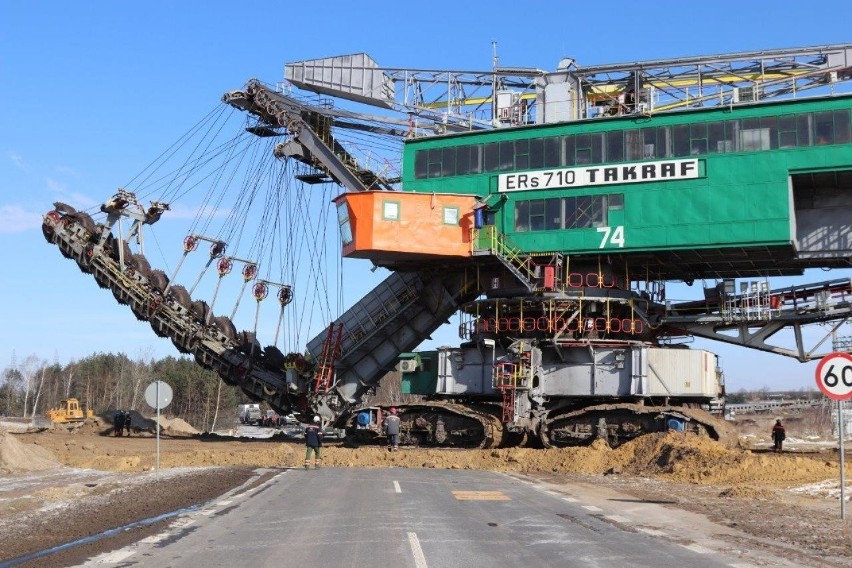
{"x":289,"y":253}
{"x":256,"y":177}
{"x":322,"y":231}
{"x":220,"y":189}
{"x":299,"y":238}
{"x":311,"y":246}
{"x":227,"y":148}
{"x":171,"y":150}
{"x":236,"y":217}
{"x":370,"y":140}
{"x":165,"y":184}
{"x":204,"y":143}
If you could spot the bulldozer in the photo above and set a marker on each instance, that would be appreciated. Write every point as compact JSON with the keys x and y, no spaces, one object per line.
{"x":69,"y":411}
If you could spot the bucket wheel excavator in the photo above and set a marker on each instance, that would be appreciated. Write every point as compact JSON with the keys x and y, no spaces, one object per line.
{"x":556,"y":350}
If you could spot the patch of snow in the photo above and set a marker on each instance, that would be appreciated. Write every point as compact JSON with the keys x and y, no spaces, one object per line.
{"x":829,"y":489}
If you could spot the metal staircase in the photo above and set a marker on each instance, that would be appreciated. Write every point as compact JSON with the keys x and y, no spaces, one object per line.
{"x":489,"y":241}
{"x":395,"y":317}
{"x":324,"y":371}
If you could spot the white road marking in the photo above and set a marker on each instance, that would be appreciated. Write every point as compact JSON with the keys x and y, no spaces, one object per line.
{"x":652,"y":532}
{"x":593,"y":509}
{"x":116,"y":556}
{"x":414,"y":542}
{"x":396,"y":487}
{"x":618,"y":519}
{"x":569,"y":499}
{"x":698,"y":548}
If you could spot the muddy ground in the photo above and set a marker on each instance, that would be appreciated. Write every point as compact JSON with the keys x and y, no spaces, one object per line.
{"x":57,"y":486}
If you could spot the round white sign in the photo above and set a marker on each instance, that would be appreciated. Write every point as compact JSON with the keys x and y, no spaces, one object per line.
{"x":158,"y":400}
{"x":834,"y":376}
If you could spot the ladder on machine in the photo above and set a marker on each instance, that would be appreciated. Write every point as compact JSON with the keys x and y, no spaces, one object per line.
{"x":324,"y":373}
{"x":509,"y":378}
{"x":505,"y":380}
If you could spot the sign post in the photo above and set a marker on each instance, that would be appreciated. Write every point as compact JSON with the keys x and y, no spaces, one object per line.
{"x":158,"y":395}
{"x":834,"y":379}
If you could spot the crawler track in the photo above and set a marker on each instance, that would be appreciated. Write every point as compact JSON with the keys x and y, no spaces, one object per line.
{"x":620,"y":423}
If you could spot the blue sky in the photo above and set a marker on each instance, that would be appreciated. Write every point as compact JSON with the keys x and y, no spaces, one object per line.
{"x":94,"y":91}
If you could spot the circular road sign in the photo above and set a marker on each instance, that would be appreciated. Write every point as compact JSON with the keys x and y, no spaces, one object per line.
{"x":834,"y":376}
{"x":165,"y":395}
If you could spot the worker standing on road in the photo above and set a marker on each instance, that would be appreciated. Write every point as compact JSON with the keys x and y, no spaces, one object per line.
{"x":778,"y":435}
{"x":313,"y":442}
{"x":392,"y":430}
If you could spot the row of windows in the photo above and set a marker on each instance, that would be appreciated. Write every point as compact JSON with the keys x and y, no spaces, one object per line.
{"x":391,"y":211}
{"x":566,"y":212}
{"x":742,"y":135}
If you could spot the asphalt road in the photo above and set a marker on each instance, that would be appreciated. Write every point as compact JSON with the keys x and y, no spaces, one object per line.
{"x":413,"y":518}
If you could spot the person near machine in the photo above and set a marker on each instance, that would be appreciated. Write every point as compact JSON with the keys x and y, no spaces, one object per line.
{"x":118,"y":422}
{"x":313,"y":442}
{"x":392,"y":430}
{"x":127,"y":420}
{"x":778,"y":435}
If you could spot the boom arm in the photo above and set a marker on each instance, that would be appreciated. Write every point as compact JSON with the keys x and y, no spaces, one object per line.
{"x":312,"y":141}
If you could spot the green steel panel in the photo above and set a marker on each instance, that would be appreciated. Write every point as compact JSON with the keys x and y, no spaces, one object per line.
{"x":740,"y":199}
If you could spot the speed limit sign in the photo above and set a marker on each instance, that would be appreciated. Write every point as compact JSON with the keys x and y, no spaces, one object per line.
{"x":834,"y":376}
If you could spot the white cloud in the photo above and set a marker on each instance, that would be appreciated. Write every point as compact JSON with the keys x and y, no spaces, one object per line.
{"x":81,"y":201}
{"x":17,"y":159}
{"x":14,"y":219}
{"x":55,"y":186}
{"x":65,"y":170}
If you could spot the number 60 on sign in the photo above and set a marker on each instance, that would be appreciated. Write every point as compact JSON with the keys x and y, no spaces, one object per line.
{"x":834,"y":376}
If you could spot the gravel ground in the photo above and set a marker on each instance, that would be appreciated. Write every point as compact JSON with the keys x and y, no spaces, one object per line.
{"x":91,"y":502}
{"x":785,"y":504}
{"x":804,"y":528}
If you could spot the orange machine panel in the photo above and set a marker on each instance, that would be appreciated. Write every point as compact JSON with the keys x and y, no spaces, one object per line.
{"x":387,"y":226}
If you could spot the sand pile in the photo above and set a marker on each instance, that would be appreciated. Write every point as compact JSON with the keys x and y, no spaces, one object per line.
{"x":677,"y":456}
{"x":176,"y":427}
{"x":16,"y":457}
{"x":695,"y":459}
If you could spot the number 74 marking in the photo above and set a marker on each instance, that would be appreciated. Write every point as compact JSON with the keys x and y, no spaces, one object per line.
{"x":613,"y":236}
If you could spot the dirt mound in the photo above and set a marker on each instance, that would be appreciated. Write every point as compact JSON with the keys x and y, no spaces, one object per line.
{"x":676,"y":456}
{"x":170,"y":426}
{"x":177,"y":427}
{"x":16,"y":457}
{"x":695,"y":459}
{"x":747,"y":492}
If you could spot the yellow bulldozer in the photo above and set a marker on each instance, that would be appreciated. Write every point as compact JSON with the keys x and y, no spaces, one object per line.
{"x":69,"y":411}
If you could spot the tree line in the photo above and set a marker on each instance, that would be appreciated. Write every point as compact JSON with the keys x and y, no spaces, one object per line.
{"x":106,"y":382}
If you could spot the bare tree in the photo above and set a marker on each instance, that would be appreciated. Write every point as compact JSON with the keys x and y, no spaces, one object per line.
{"x":70,"y":370}
{"x":29,"y":367}
{"x":140,"y":371}
{"x":42,"y":372}
{"x":216,"y":410}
